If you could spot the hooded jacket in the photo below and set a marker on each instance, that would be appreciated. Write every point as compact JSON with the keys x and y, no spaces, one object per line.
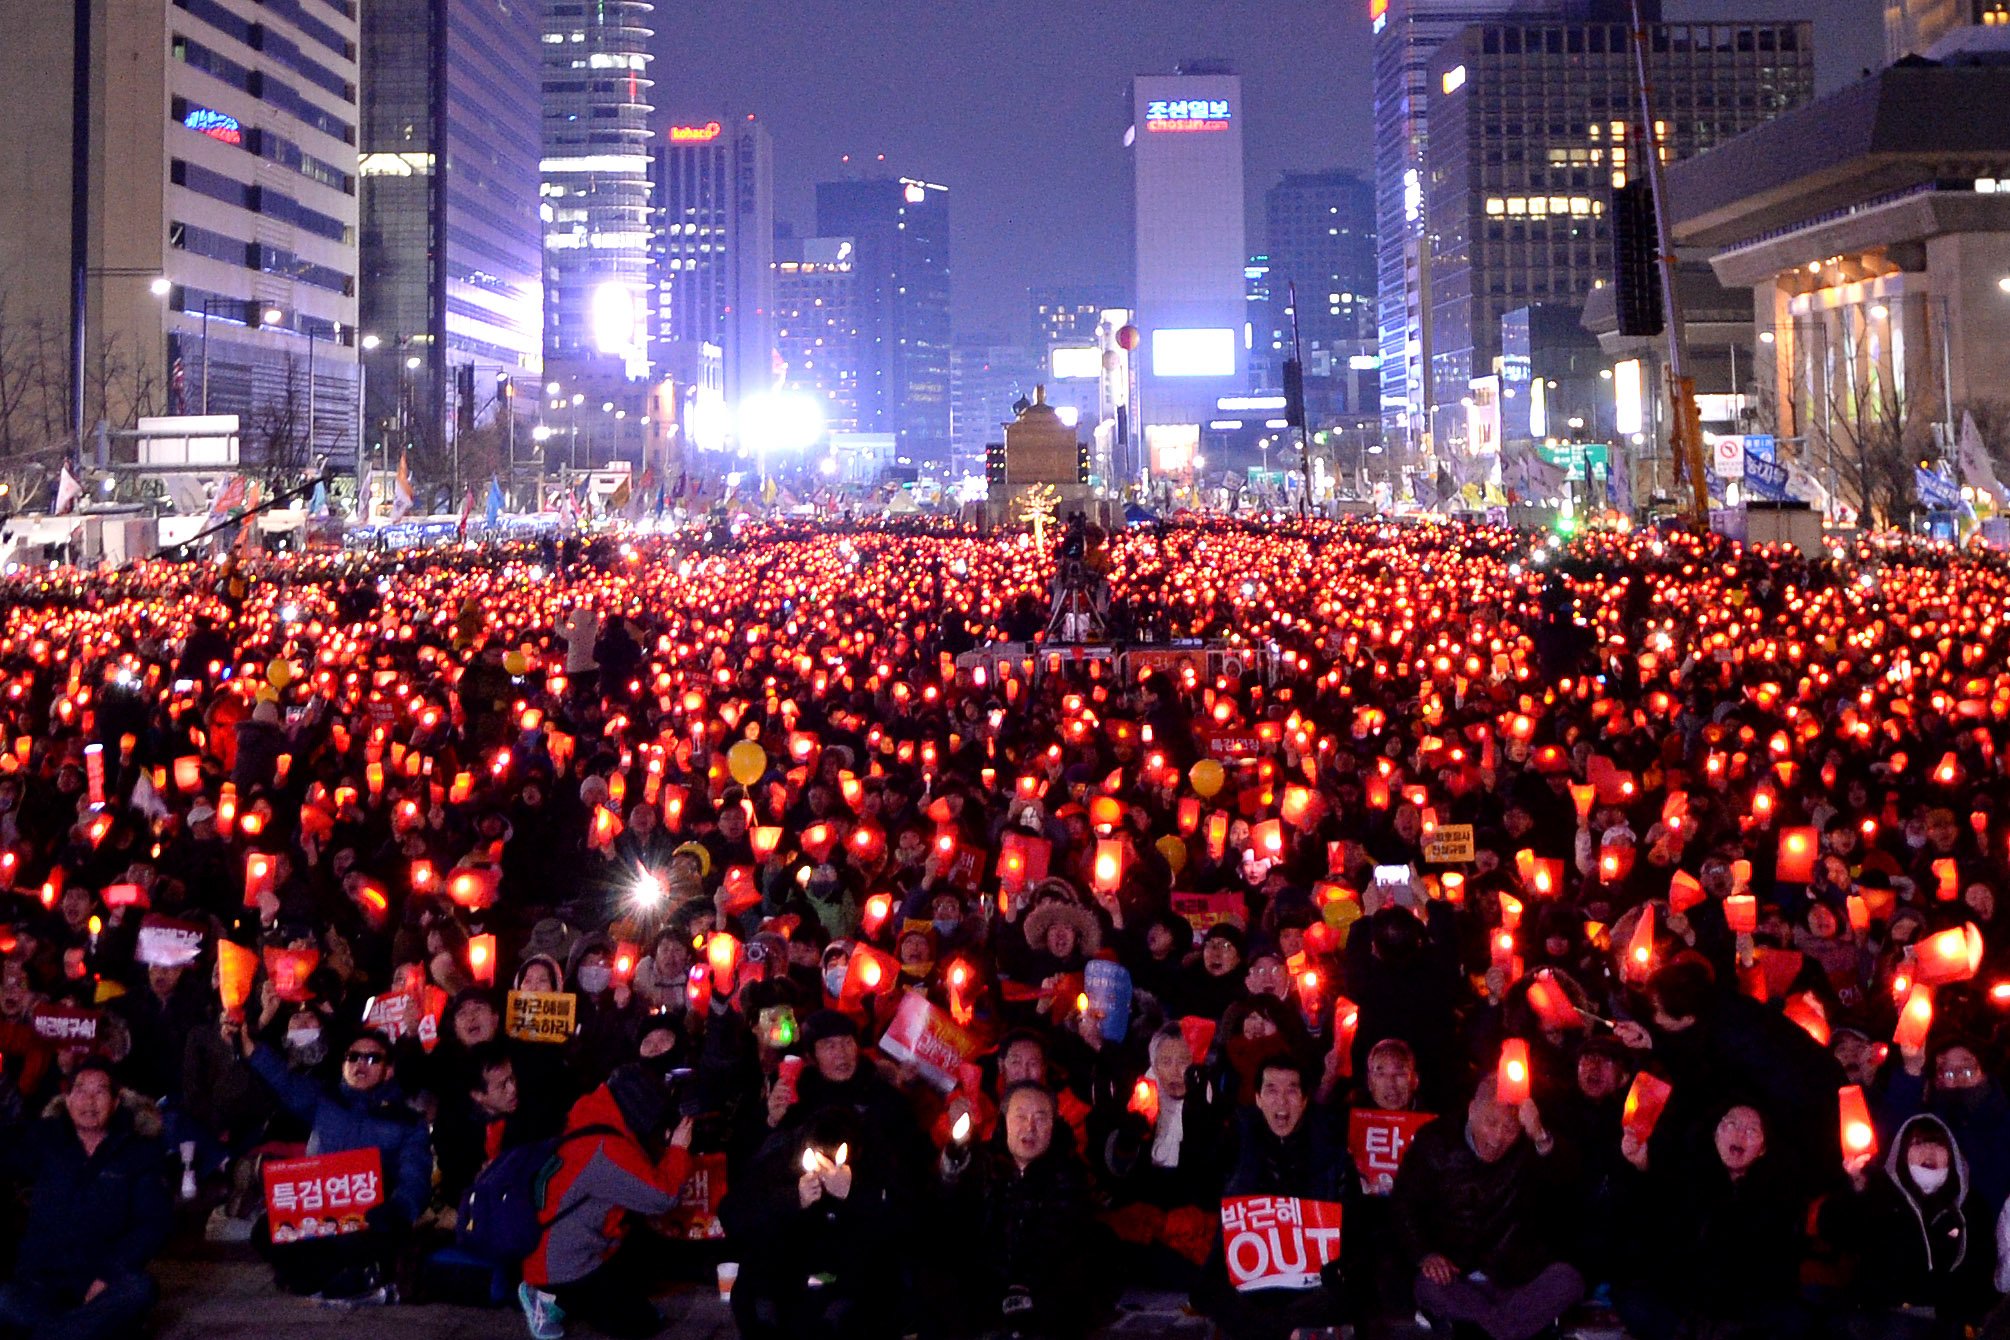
{"x":343,"y":1118}
{"x":1912,"y":1248}
{"x":600,"y":1179}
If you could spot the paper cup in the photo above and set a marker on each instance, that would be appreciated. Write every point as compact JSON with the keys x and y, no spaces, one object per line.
{"x":728,"y":1272}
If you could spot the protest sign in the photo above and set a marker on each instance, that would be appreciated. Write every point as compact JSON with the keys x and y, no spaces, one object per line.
{"x":1378,"y":1140}
{"x":928,"y":1039}
{"x":696,"y":1215}
{"x":541,"y":1016}
{"x":1278,"y":1242}
{"x":1449,"y":844}
{"x":69,"y":1027}
{"x":1203,"y":911}
{"x":322,"y":1196}
{"x":168,"y":943}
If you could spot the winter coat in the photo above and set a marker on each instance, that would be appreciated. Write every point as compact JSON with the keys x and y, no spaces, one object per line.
{"x":859,"y":1241}
{"x":1912,"y":1249}
{"x":1724,"y":1249}
{"x":343,"y":1118}
{"x":1979,"y":1124}
{"x":1494,"y":1217}
{"x":1311,"y":1163}
{"x":90,"y":1216}
{"x":1030,"y":1228}
{"x":600,"y":1180}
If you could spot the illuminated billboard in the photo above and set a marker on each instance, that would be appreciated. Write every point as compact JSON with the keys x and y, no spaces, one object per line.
{"x":704,"y":134}
{"x":1628,"y":395}
{"x":1206,"y":352}
{"x":216,"y":125}
{"x":1187,"y":115}
{"x":1073,"y":365}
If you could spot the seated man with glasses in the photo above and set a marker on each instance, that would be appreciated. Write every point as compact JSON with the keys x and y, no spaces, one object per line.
{"x":365,"y":1110}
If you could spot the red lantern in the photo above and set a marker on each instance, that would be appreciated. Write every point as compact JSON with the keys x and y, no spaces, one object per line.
{"x":1950,"y":956}
{"x":1741,"y":913}
{"x":1796,"y":863}
{"x":482,"y":959}
{"x":1639,"y":963}
{"x":1109,"y":865}
{"x":877,"y":909}
{"x":722,"y":952}
{"x":1644,"y":1102}
{"x":1915,"y":1019}
{"x":1859,"y":1136}
{"x":260,"y":877}
{"x":1145,"y":1100}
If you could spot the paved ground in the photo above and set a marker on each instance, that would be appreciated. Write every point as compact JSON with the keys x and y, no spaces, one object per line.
{"x":223,"y":1293}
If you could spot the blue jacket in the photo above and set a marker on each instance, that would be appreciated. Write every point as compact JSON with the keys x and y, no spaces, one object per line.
{"x":90,"y":1217}
{"x":343,"y":1118}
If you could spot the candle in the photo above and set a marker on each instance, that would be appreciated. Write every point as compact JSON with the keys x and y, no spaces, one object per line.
{"x":1512,"y":1075}
{"x":1796,"y":862}
{"x":1859,"y":1136}
{"x":1741,"y":913}
{"x":1915,"y":1019}
{"x":1644,"y":1103}
{"x":1144,"y":1100}
{"x":1952,"y":955}
{"x":482,"y":958}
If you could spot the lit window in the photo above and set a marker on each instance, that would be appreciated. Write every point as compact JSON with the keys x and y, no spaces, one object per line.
{"x":1496,"y":205}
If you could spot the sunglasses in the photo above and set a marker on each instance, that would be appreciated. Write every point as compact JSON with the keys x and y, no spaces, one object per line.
{"x":365,"y":1058}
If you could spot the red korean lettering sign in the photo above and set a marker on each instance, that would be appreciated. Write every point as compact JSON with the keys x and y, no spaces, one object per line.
{"x":696,"y":1215}
{"x":1378,"y":1140}
{"x":1204,"y":911}
{"x":1232,"y":746}
{"x":929,"y":1040}
{"x":1278,"y":1242}
{"x":66,"y":1027}
{"x":323,"y":1196}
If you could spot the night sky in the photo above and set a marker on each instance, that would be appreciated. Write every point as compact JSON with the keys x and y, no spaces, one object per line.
{"x":1018,"y":106}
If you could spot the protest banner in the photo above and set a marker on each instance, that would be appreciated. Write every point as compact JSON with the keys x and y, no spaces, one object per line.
{"x":1278,"y":1242}
{"x":696,"y":1214}
{"x":1378,"y":1140}
{"x":541,"y":1016}
{"x":322,"y":1196}
{"x":928,"y":1039}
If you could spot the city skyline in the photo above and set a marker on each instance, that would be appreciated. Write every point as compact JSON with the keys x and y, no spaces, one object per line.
{"x":1037,"y":203}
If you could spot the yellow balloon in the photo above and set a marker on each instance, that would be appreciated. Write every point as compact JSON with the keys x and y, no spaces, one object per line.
{"x":1174,"y":851}
{"x":515,"y":662}
{"x":279,"y":673}
{"x":747,"y":761}
{"x":1207,"y":777}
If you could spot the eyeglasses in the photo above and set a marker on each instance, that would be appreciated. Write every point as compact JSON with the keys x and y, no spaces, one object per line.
{"x":1956,"y":1074}
{"x":365,"y":1058}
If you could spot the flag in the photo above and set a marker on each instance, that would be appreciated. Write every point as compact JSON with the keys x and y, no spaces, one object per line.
{"x":228,"y":500}
{"x":493,"y":518}
{"x":1977,"y":470}
{"x":365,"y":478}
{"x":68,"y":490}
{"x":247,"y":527}
{"x":619,"y":498}
{"x":318,"y":504}
{"x":401,"y":492}
{"x":467,"y":514}
{"x":683,"y":478}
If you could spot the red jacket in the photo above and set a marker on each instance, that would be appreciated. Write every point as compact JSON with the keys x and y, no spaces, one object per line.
{"x":599,"y":1181}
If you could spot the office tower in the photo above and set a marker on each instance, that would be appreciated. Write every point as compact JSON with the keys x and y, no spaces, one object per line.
{"x":1268,"y":325}
{"x":1535,"y":124}
{"x":1066,"y":315}
{"x":900,"y":233}
{"x":1406,"y":32}
{"x":216,"y":258}
{"x":1321,"y":236}
{"x":1186,"y":171}
{"x":712,"y":197}
{"x":1912,"y":27}
{"x":452,"y":252}
{"x":818,"y":323}
{"x":986,"y":377}
{"x":598,"y":282}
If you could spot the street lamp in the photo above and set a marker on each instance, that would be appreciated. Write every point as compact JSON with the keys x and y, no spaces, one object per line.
{"x":368,"y":344}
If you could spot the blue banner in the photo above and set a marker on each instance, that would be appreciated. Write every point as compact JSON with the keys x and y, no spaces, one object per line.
{"x":1764,"y":479}
{"x":1934,"y":490}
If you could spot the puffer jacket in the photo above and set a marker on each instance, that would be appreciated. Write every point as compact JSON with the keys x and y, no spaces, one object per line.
{"x":342,"y":1118}
{"x":90,"y":1216}
{"x":1033,"y":1225}
{"x":600,"y":1179}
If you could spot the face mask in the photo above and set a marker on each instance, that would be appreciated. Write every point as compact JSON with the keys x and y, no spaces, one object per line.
{"x":834,"y":981}
{"x":302,"y":1037}
{"x":1928,"y":1180}
{"x":945,"y":926}
{"x":593,"y":981}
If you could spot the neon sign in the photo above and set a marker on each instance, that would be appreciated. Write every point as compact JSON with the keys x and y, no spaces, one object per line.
{"x":214,"y":124}
{"x":1187,"y":115}
{"x":695,"y":134}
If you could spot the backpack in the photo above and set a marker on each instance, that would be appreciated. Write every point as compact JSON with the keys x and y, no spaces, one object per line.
{"x":499,"y":1219}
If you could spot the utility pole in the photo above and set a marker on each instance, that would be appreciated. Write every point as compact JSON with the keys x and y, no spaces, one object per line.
{"x":1685,"y":434}
{"x":1294,"y":396}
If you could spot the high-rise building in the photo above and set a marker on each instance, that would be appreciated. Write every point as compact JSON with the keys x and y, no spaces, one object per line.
{"x":712,"y":192}
{"x":1536,"y":123}
{"x":1322,"y":238}
{"x":1066,"y":315}
{"x":818,"y":323}
{"x":900,"y":231}
{"x":598,"y":281}
{"x":1186,"y":172}
{"x":214,"y":236}
{"x":1912,"y":27}
{"x":1406,"y":32}
{"x":986,"y":378}
{"x":452,"y":251}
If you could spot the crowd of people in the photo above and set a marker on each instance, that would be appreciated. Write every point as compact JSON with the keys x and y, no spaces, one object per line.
{"x":1437,"y":922}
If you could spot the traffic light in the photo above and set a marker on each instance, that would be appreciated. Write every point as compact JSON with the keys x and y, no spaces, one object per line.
{"x":1082,"y":463}
{"x":1294,"y":393}
{"x":994,"y":462}
{"x":1636,"y":260}
{"x":464,"y":385}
